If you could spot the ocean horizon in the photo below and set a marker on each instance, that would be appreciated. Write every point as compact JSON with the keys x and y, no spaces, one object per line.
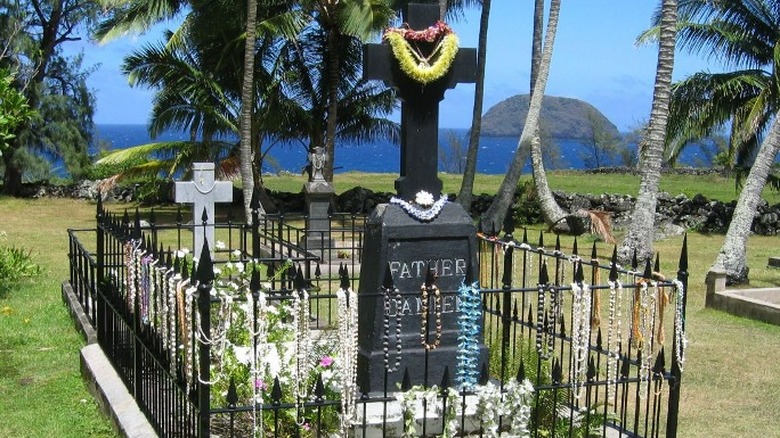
{"x":495,"y":153}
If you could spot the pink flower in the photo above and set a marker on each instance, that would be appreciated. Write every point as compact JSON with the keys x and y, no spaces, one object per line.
{"x":260,"y":385}
{"x":306,"y":426}
{"x":326,"y":361}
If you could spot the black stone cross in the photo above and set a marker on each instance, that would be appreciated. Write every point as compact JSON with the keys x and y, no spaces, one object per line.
{"x":419,"y":105}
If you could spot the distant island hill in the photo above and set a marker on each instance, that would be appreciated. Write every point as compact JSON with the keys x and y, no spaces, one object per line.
{"x":561,"y":117}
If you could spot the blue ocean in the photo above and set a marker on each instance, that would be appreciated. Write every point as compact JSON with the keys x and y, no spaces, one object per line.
{"x":495,"y":153}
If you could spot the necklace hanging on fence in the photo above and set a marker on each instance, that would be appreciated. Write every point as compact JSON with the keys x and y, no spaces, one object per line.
{"x":644,"y":330}
{"x":218,"y":338}
{"x":256,"y":320}
{"x":302,"y":347}
{"x":468,"y":325}
{"x":580,"y":336}
{"x":614,"y":334}
{"x":387,"y":306}
{"x":347,"y":352}
{"x":426,"y":289}
{"x":680,"y":340}
{"x":544,"y":340}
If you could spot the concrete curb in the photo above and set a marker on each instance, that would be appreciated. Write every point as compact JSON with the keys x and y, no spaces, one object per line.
{"x":102,"y":380}
{"x":80,"y":319}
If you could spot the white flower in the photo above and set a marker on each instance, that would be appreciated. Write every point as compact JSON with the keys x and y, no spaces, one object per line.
{"x":239,"y":267}
{"x":236,"y":252}
{"x":243,"y":354}
{"x":423,"y":198}
{"x":219,"y":244}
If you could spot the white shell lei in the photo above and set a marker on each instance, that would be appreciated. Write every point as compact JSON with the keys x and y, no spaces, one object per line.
{"x":681,"y":341}
{"x":347,"y":353}
{"x":424,"y":215}
{"x":580,"y":336}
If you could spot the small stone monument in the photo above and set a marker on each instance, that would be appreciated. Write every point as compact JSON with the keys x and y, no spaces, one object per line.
{"x":203,"y":192}
{"x":319,"y":196}
{"x":419,"y":231}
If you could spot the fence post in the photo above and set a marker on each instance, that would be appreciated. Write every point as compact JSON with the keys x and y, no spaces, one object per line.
{"x":676,"y":372}
{"x":506,"y":295}
{"x":135,"y":316}
{"x":254,"y":205}
{"x":205,"y":277}
{"x":100,"y":250}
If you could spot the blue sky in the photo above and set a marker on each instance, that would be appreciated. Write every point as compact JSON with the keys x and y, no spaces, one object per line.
{"x":595,"y":59}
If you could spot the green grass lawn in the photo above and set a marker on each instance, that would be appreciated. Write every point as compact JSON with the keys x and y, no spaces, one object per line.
{"x":730,"y":383}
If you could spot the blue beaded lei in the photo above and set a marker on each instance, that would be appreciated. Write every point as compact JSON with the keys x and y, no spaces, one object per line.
{"x":468,"y":338}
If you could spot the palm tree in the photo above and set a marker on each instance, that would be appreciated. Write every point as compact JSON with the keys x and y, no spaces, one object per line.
{"x":342,"y":21}
{"x":742,"y":36}
{"x":494,"y":216}
{"x":363,"y":107}
{"x":247,"y":104}
{"x":639,"y":239}
{"x":197,"y":74}
{"x":467,"y":185}
{"x":732,"y":258}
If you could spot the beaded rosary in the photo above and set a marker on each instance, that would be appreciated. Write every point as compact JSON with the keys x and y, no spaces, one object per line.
{"x":426,"y":289}
{"x":389,"y":288}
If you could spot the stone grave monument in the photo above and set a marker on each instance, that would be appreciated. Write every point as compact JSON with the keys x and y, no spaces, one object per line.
{"x":203,"y":192}
{"x":416,"y":233}
{"x":319,"y":196}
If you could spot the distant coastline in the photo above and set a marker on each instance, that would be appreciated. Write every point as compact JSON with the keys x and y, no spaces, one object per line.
{"x":382,"y":156}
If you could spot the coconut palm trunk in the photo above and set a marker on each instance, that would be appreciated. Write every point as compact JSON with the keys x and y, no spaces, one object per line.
{"x":642,"y":227}
{"x":551,"y":212}
{"x":732,"y":258}
{"x":494,"y":216}
{"x":333,"y":102}
{"x":467,"y":185}
{"x":247,"y":104}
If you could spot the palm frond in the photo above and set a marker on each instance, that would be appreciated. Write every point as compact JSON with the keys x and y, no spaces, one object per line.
{"x":134,"y":17}
{"x":601,"y":225}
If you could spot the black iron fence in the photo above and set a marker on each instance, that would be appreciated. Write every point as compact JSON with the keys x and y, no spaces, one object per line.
{"x":260,"y":342}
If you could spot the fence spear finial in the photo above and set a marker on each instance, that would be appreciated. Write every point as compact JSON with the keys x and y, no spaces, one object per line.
{"x":613,"y":274}
{"x":683,"y":265}
{"x":205,"y":271}
{"x":648,"y":270}
{"x":544,"y":277}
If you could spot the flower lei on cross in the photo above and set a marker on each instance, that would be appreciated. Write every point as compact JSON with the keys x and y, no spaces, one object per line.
{"x":423,"y":69}
{"x":430,"y":209}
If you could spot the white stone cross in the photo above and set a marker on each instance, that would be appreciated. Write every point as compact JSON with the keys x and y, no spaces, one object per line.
{"x":203,"y":192}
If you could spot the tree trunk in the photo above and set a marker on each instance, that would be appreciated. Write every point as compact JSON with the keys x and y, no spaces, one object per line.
{"x":12,"y":177}
{"x":247,"y":106}
{"x":494,"y":216}
{"x":467,"y":185}
{"x":536,"y":44}
{"x":551,"y":211}
{"x":50,"y":28}
{"x":642,"y":227}
{"x":732,"y":258}
{"x":333,"y":103}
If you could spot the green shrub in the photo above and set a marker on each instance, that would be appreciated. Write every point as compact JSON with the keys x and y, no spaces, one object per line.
{"x":527,"y":209}
{"x":15,"y":264}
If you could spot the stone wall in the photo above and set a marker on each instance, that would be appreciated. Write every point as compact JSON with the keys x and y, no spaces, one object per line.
{"x":674,"y":213}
